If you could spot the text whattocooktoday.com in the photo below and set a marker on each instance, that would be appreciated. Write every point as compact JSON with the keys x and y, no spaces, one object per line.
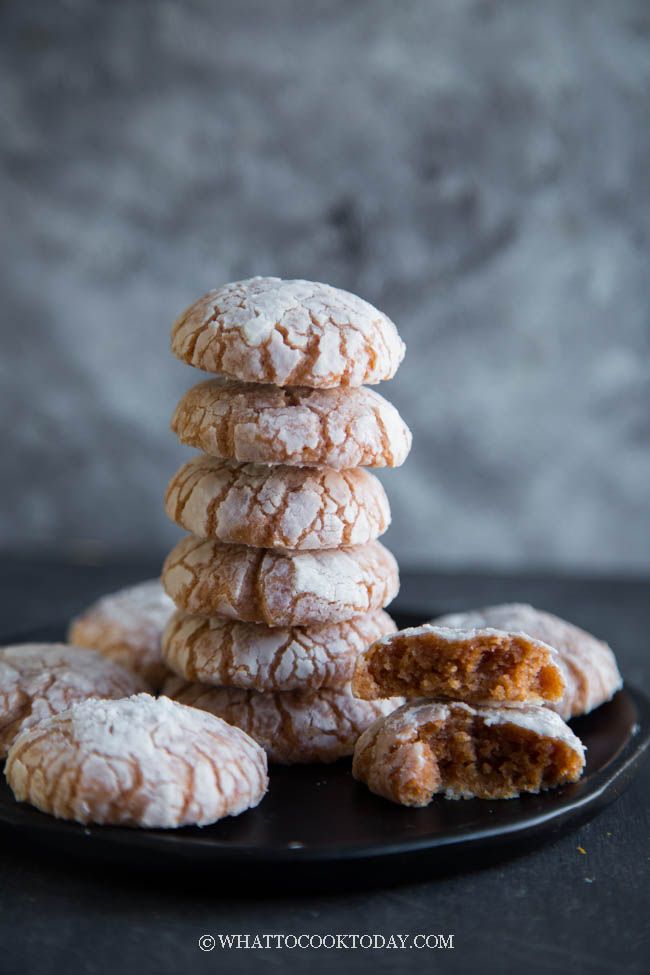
{"x":336,"y":942}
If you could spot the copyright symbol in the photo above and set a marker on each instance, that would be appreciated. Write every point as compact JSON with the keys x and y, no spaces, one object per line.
{"x":206,"y":942}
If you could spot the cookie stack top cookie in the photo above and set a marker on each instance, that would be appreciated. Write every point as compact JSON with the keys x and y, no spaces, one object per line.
{"x":282,"y":581}
{"x":288,"y":333}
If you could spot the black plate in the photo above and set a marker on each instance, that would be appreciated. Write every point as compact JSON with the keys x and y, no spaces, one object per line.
{"x":317,"y":824}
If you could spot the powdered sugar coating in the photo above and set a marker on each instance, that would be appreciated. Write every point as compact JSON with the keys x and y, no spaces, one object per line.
{"x":38,"y":680}
{"x":400,"y":751}
{"x":137,"y":762}
{"x":289,"y":333}
{"x":590,"y":672}
{"x":249,"y":655}
{"x":286,"y":508}
{"x":339,"y":428}
{"x":280,"y":589}
{"x":127,"y":627}
{"x":294,"y":727}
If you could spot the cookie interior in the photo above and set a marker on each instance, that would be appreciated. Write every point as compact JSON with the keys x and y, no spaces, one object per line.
{"x":484,"y":667}
{"x":467,"y":757}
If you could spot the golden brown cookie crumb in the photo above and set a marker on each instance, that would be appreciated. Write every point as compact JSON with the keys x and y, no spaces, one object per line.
{"x":477,"y":666}
{"x":428,"y":747}
{"x":589,"y":667}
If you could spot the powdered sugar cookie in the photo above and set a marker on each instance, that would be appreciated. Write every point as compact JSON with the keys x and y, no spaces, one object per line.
{"x":477,"y":666}
{"x":41,"y":679}
{"x":137,"y":762}
{"x":251,"y":655}
{"x":428,"y":747}
{"x":288,"y":508}
{"x":589,"y":668}
{"x":280,"y":589}
{"x":294,"y":727}
{"x":340,"y":428}
{"x":289,"y":333}
{"x":127,"y":626}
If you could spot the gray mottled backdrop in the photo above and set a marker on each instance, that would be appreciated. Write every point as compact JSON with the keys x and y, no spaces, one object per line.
{"x":477,"y":169}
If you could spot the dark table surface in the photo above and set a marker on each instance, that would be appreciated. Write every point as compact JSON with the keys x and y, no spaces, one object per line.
{"x":553,"y":909}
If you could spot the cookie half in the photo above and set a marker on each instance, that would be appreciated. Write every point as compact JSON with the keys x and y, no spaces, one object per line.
{"x":137,"y":762}
{"x":476,"y":666}
{"x":429,"y":747}
{"x":289,"y":333}
{"x":127,"y":626}
{"x":255,"y":585}
{"x":286,"y":508}
{"x":251,"y":655}
{"x":589,"y":668}
{"x":339,"y":428}
{"x":41,"y":679}
{"x":293,"y":727}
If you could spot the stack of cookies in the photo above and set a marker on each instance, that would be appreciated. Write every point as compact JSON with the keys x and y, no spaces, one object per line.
{"x":282,"y":582}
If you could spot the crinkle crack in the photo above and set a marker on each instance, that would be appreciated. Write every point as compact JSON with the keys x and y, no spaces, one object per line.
{"x":137,"y":762}
{"x":127,"y":626}
{"x":285,"y":508}
{"x":280,"y":589}
{"x":39,"y":680}
{"x":292,"y":726}
{"x":338,"y":428}
{"x":288,"y":333}
{"x":253,"y":656}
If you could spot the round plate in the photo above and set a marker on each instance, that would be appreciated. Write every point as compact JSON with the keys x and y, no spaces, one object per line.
{"x":317,"y":824}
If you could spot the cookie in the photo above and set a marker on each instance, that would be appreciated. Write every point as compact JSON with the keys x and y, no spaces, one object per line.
{"x":429,"y":747}
{"x":251,"y":655}
{"x":590,"y":672}
{"x":477,"y":666}
{"x":286,"y":508}
{"x":289,"y":333}
{"x":127,"y":626}
{"x":137,"y":762}
{"x":340,"y":428}
{"x":293,"y":727}
{"x":280,"y":589}
{"x":41,"y":679}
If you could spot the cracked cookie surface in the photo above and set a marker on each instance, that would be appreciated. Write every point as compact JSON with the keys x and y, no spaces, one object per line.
{"x":250,"y":655}
{"x":589,"y":668}
{"x":127,"y":626}
{"x":285,"y":508}
{"x":478,"y":666}
{"x":339,"y":428}
{"x":430,"y":747}
{"x":255,"y":585}
{"x":294,"y":727}
{"x":41,"y":679}
{"x":140,"y":761}
{"x":288,"y":333}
